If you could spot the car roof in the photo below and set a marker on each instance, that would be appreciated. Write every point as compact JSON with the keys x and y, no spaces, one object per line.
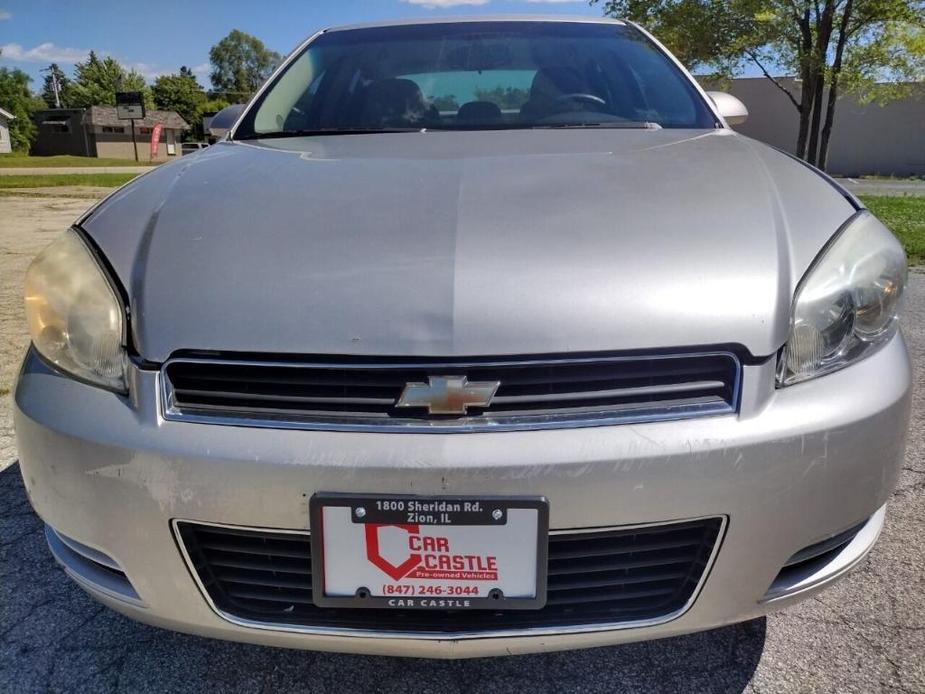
{"x":554,"y":18}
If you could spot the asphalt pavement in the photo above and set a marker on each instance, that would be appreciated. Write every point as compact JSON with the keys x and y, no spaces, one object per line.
{"x":866,"y":634}
{"x":884,"y":186}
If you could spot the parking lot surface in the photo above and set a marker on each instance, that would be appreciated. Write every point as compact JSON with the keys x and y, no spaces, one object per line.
{"x":867,"y":634}
{"x":884,"y":186}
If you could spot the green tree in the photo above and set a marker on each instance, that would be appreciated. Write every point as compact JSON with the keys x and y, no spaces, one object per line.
{"x":55,"y":76}
{"x":212,"y":106}
{"x":96,"y":81}
{"x":16,"y":98}
{"x":179,"y":92}
{"x":833,"y":46}
{"x":505,"y":97}
{"x":207,"y":108}
{"x":240,"y":64}
{"x":445,"y":102}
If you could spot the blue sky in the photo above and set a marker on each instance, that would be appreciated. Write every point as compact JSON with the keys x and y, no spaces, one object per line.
{"x":159,"y":37}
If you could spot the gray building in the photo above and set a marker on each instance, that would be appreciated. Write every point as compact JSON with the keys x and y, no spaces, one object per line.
{"x":6,"y":144}
{"x":98,"y":132}
{"x":867,"y":139}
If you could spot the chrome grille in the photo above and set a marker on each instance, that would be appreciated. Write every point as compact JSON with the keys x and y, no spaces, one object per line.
{"x":533,"y":393}
{"x":613,"y":577}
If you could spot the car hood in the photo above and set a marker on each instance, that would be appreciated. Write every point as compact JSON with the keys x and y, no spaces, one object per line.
{"x":467,"y":243}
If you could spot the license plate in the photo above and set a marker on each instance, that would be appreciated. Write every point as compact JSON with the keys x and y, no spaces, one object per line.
{"x":414,"y":552}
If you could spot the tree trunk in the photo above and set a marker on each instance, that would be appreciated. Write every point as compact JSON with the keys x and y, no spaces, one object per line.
{"x":806,"y":89}
{"x":818,"y":91}
{"x":833,"y":87}
{"x":827,"y":126}
{"x":824,"y":25}
{"x":806,"y":111}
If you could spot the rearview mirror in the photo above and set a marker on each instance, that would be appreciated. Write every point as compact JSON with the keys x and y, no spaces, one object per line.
{"x":729,"y":107}
{"x":479,"y":55}
{"x":223,"y":120}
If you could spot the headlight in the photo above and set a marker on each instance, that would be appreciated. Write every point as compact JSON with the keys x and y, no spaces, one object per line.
{"x":847,"y":304}
{"x":76,"y":319}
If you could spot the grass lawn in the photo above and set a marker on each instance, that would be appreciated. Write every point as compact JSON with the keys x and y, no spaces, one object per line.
{"x":18,"y":161}
{"x":905,"y":215}
{"x":109,"y":180}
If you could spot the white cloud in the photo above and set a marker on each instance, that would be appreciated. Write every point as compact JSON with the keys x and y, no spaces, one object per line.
{"x":43,"y":53}
{"x":5,"y":15}
{"x":439,"y":4}
{"x":554,"y":2}
{"x":148,"y":71}
{"x":152,"y":72}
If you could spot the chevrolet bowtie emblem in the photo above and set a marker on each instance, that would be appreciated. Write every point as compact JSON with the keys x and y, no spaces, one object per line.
{"x":448,"y":394}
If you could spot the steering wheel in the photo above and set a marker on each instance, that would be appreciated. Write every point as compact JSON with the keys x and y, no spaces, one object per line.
{"x":589,"y":98}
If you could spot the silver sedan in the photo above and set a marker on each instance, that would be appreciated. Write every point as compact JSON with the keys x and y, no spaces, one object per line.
{"x":471,"y":337}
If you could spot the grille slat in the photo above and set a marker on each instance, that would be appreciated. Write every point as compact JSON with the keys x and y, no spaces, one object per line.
{"x":535,"y":393}
{"x":674,"y":388}
{"x":297,"y":538}
{"x":302,"y":377}
{"x":590,"y":596}
{"x":594,"y":577}
{"x":638,"y":370}
{"x":259,"y":579}
{"x":620,"y":579}
{"x":258,"y":565}
{"x":221,"y":413}
{"x":604,"y":564}
{"x":324,"y":399}
{"x":675,"y":530}
{"x":609,"y":551}
{"x":286,"y":597}
{"x":256,"y":550}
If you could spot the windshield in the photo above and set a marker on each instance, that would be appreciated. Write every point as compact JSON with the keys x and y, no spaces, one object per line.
{"x":477,"y":76}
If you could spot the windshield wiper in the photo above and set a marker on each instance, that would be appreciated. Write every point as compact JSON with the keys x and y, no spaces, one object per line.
{"x":617,"y":125}
{"x":325,"y":131}
{"x":624,"y":125}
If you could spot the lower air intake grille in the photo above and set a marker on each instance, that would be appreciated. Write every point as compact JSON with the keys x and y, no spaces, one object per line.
{"x":510,"y":394}
{"x":594,"y":577}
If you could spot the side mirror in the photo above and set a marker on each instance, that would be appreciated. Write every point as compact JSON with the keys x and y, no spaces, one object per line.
{"x":223,"y":120}
{"x":729,"y":107}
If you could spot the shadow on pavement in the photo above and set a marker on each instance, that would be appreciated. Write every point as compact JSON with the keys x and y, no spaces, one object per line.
{"x":53,"y":637}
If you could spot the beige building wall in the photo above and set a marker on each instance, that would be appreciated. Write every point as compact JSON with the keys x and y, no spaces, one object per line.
{"x":119,"y":145}
{"x":6,"y":145}
{"x":866,"y":138}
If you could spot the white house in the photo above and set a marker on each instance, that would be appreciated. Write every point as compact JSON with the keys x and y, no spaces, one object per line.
{"x":5,"y":144}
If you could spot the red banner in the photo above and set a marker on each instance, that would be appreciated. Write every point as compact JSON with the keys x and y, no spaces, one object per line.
{"x":155,"y":138}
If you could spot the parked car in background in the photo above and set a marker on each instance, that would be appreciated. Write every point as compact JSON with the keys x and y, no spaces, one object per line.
{"x":472,"y":337}
{"x":193,"y":147}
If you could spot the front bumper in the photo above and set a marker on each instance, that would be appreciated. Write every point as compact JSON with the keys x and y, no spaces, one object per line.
{"x":793,"y":467}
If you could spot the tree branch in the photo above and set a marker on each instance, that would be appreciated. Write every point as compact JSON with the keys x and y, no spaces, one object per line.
{"x":754,"y":59}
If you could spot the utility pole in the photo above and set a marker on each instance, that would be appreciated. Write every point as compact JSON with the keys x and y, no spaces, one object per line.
{"x":134,"y":143}
{"x":54,"y":85}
